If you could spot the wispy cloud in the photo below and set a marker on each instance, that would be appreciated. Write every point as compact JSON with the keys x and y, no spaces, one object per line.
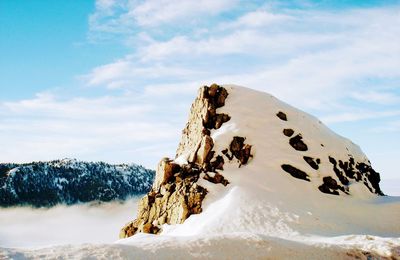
{"x":47,"y":127}
{"x":307,"y":57}
{"x":359,"y":115}
{"x":389,"y":127}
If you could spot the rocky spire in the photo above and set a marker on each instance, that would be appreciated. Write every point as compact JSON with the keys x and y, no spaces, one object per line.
{"x":175,"y":194}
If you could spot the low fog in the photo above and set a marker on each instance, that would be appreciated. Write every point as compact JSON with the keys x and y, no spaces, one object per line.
{"x":94,"y":223}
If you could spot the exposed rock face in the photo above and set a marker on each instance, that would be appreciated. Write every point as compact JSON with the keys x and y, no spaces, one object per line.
{"x":172,"y":200}
{"x":196,"y":142}
{"x":175,"y":194}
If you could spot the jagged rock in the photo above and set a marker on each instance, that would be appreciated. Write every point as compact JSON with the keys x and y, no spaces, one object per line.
{"x":217,"y":178}
{"x":220,"y":119}
{"x":239,"y":150}
{"x":288,"y":132}
{"x":281,"y":116}
{"x":205,"y":147}
{"x":165,"y":170}
{"x":217,"y":163}
{"x":202,"y":118}
{"x":295,"y":172}
{"x":297,"y":143}
{"x":175,"y":194}
{"x":173,"y":205}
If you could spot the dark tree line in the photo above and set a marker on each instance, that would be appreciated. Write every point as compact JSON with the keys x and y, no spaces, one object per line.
{"x":45,"y":184}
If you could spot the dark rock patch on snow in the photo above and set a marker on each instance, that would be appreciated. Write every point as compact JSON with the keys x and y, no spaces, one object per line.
{"x":288,"y":132}
{"x":295,"y":172}
{"x":359,"y":172}
{"x":313,"y":163}
{"x":329,"y":186}
{"x":281,"y":116}
{"x":297,"y":143}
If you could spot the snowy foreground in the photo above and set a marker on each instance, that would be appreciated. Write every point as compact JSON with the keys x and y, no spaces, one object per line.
{"x":264,"y":213}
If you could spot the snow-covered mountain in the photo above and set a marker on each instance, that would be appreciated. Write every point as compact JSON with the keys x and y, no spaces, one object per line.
{"x":68,"y":181}
{"x":254,"y":178}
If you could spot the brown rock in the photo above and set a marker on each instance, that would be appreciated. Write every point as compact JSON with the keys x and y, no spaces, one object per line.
{"x":202,"y":118}
{"x":165,"y":170}
{"x":239,"y":150}
{"x":282,"y":116}
{"x":205,"y":147}
{"x":213,"y":89}
{"x":223,"y":94}
{"x":217,"y":178}
{"x":297,"y":143}
{"x":288,"y":132}
{"x":173,"y":206}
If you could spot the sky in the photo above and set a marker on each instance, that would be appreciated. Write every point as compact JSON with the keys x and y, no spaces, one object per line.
{"x":113,"y":80}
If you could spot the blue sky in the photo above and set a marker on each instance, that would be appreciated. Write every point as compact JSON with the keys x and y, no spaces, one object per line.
{"x":113,"y":80}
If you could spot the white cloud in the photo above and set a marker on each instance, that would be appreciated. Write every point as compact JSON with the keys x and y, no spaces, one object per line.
{"x":125,"y":16}
{"x":359,"y":115}
{"x":111,"y":128}
{"x":389,"y":127}
{"x":156,"y":12}
{"x":309,"y":58}
{"x":371,"y":96}
{"x":258,"y":18}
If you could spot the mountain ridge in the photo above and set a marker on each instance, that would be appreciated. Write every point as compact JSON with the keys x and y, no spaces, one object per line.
{"x":69,"y":181}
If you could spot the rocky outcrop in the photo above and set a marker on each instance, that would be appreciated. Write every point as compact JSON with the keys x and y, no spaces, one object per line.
{"x":196,"y":142}
{"x":175,"y":194}
{"x":239,"y":150}
{"x":355,"y":171}
{"x":174,"y":197}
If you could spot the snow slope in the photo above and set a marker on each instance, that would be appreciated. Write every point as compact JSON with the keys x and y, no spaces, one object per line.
{"x":265,"y":212}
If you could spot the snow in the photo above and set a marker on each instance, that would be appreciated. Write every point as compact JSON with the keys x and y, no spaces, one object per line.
{"x":265,"y":212}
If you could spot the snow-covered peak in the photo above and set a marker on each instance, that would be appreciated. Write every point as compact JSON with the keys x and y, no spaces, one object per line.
{"x":259,"y":165}
{"x":302,"y":177}
{"x":288,"y":143}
